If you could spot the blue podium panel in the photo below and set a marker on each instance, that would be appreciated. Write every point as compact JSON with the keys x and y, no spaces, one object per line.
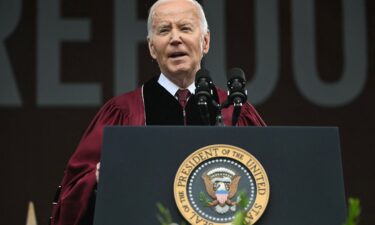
{"x":303,"y":165}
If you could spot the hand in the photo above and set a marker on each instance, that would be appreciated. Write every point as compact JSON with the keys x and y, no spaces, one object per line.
{"x":97,"y":172}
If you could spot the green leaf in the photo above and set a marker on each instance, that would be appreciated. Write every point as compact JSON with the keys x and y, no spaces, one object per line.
{"x":244,"y":200}
{"x":354,"y":211}
{"x":240,"y":216}
{"x":164,"y":216}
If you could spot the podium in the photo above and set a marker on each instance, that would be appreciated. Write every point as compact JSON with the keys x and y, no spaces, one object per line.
{"x":303,"y":165}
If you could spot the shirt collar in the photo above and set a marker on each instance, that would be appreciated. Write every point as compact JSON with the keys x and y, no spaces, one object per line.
{"x":171,"y":87}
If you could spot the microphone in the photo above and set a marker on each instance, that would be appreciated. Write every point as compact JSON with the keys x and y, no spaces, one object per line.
{"x":236,"y":86}
{"x":237,"y":93}
{"x":203,"y":93}
{"x":203,"y":85}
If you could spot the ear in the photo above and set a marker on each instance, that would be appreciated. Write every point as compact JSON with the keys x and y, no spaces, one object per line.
{"x":151,"y":48}
{"x":206,"y":42}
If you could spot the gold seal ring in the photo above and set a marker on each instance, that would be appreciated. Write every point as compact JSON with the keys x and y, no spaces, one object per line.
{"x":206,"y":184}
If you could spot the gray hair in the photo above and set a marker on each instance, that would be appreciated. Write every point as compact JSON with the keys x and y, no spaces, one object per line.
{"x":203,"y":20}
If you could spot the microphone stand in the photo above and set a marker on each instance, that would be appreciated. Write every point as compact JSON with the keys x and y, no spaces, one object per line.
{"x":203,"y":109}
{"x":219,"y":116}
{"x":237,"y":105}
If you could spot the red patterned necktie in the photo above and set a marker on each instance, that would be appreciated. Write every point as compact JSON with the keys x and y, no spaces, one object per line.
{"x":182,"y":96}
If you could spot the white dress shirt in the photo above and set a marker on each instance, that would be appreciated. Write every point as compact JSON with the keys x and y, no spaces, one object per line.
{"x":171,"y":87}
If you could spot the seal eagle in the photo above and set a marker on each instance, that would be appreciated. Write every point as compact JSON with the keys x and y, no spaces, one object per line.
{"x":221,"y":189}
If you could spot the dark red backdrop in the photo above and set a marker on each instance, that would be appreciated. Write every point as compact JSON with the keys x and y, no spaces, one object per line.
{"x":38,"y":140}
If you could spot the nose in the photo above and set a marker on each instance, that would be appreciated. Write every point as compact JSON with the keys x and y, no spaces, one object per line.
{"x":175,"y":37}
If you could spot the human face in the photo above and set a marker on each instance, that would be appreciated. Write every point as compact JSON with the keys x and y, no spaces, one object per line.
{"x":177,"y":41}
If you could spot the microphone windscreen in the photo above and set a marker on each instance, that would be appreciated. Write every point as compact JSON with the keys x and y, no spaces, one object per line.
{"x":236,"y":73}
{"x":202,"y":73}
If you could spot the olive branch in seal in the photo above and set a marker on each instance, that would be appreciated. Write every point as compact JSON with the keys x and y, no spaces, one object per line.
{"x":203,"y":198}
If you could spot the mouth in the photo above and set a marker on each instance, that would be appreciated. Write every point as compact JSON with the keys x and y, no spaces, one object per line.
{"x":175,"y":55}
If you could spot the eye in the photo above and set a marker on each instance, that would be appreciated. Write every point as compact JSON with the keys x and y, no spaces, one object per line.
{"x":186,"y":28}
{"x":163,"y":30}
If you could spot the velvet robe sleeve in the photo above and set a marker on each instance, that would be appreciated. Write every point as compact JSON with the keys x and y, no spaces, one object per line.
{"x":79,"y":182}
{"x":248,"y":116}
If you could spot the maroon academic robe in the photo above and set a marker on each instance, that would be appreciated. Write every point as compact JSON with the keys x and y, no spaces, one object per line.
{"x":74,"y":206}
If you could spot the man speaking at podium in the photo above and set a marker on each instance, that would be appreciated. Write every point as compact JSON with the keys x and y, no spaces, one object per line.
{"x":178,"y":38}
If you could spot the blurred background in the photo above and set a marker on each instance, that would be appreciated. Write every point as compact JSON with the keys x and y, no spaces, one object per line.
{"x":308,"y":62}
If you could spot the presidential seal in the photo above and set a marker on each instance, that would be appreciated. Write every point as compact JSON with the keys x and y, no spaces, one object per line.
{"x":208,"y":182}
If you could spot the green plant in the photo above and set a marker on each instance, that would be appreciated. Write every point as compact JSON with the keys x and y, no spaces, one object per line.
{"x":165,"y":218}
{"x":354,"y":211}
{"x":240,"y":216}
{"x":164,"y":215}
